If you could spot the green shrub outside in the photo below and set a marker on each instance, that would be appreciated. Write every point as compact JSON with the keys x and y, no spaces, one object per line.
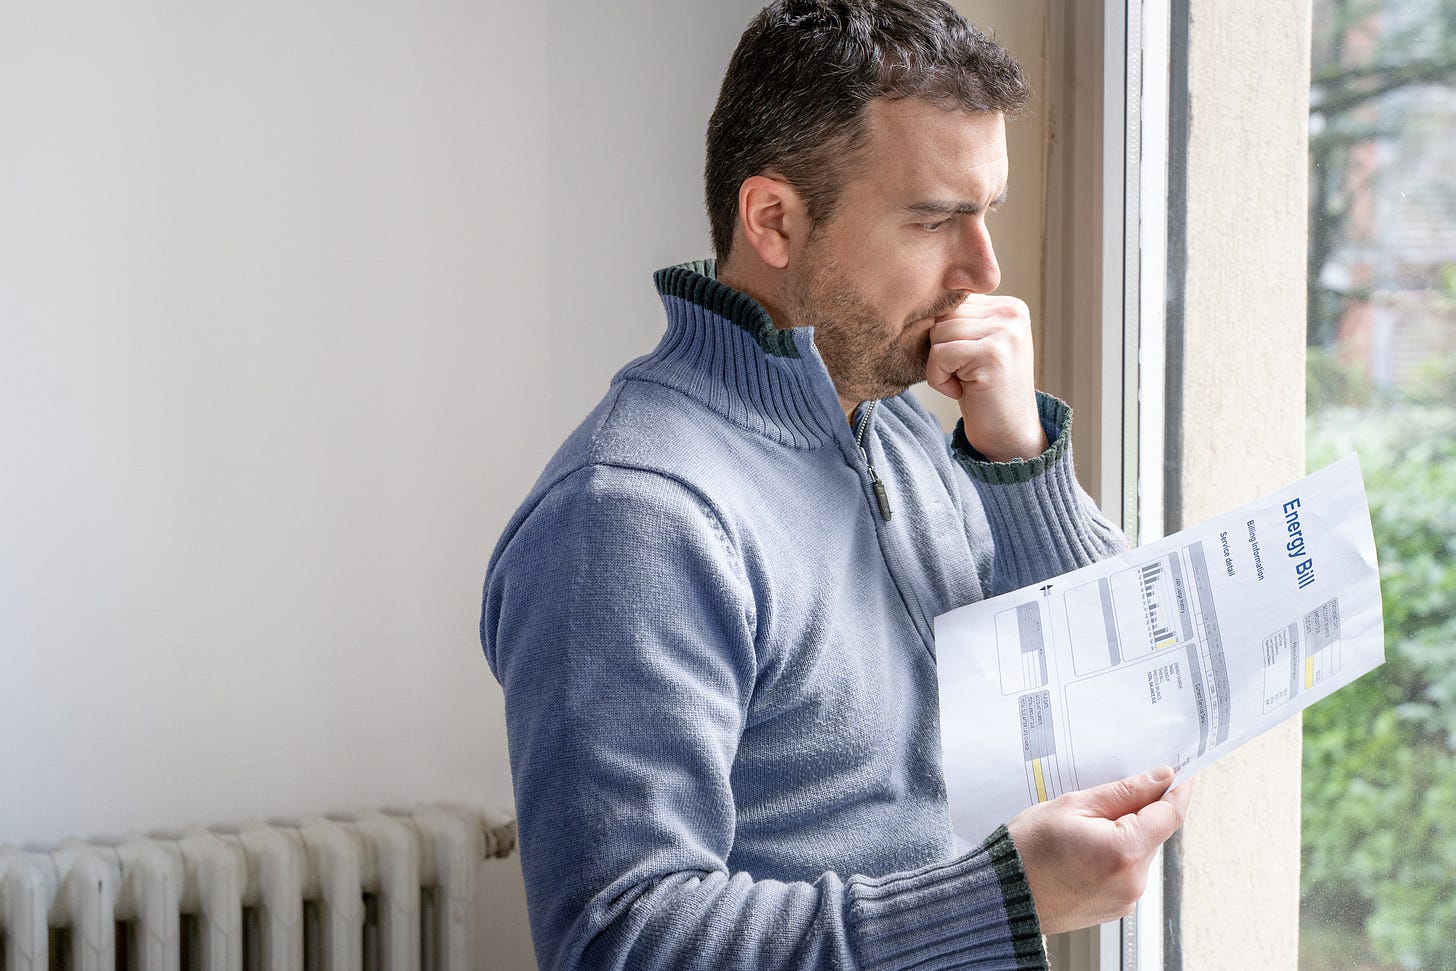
{"x":1379,"y":806}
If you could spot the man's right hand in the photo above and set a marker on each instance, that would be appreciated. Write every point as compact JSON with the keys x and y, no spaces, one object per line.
{"x":1086,"y":853}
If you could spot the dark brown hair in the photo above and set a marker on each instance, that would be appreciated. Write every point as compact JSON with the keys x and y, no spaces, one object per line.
{"x":794,"y":95}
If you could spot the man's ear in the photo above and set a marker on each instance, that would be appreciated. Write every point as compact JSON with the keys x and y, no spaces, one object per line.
{"x":771,"y":217}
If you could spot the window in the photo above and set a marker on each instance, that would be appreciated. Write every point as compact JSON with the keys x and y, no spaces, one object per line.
{"x":1107,"y":245}
{"x":1378,"y":885}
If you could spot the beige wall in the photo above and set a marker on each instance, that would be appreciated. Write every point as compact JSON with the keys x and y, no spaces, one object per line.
{"x":1243,"y":417}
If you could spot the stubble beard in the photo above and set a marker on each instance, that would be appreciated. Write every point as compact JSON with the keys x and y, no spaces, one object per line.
{"x":866,"y":357}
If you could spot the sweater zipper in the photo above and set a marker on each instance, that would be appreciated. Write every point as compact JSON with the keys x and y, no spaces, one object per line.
{"x":882,"y":498}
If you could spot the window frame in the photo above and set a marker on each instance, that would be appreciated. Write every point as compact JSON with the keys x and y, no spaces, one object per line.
{"x":1114,"y":176}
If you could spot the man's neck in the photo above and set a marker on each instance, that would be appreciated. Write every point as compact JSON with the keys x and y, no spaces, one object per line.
{"x":762,"y":285}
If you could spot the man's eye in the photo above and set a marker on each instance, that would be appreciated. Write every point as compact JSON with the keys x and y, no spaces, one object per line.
{"x":936,"y":226}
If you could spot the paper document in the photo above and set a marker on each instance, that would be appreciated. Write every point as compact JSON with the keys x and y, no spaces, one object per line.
{"x":1176,"y":652}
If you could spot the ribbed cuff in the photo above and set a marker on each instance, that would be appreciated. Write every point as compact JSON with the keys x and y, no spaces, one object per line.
{"x":1042,"y":523}
{"x":971,"y":912}
{"x":1056,"y":421}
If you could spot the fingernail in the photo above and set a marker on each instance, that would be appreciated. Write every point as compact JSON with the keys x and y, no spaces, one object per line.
{"x":1161,"y":774}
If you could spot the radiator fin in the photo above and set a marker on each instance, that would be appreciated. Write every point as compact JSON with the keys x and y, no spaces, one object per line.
{"x":384,"y":891}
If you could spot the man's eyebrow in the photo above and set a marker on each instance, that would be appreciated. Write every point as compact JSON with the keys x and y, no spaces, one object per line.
{"x":939,"y":207}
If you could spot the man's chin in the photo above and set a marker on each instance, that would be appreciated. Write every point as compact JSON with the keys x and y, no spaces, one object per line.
{"x":899,"y":382}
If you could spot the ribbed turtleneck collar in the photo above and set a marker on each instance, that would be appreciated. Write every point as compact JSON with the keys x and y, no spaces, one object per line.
{"x":722,"y":349}
{"x":697,"y":283}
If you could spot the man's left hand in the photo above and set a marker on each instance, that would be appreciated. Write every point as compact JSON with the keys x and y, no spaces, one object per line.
{"x":980,"y":354}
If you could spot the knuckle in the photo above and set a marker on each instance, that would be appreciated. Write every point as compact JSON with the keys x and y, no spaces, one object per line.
{"x":1128,"y":858}
{"x":1132,"y":892}
{"x":1012,"y":309}
{"x":1124,"y":789}
{"x":942,"y":357}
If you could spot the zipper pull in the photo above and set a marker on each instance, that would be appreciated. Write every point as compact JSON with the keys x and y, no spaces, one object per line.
{"x":882,"y":497}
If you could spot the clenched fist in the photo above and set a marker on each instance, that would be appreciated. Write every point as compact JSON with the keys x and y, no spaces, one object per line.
{"x":980,"y":354}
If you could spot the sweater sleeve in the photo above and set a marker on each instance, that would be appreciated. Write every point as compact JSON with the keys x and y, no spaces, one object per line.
{"x":1042,"y":523}
{"x":619,"y":620}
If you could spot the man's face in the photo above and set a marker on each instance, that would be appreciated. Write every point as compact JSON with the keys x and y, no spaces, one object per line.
{"x":906,"y":244}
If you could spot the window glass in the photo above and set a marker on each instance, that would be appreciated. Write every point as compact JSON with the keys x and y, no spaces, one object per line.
{"x":1378,"y":887}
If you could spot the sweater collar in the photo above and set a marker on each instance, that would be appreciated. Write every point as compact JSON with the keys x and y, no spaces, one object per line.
{"x":697,"y":283}
{"x":722,"y":349}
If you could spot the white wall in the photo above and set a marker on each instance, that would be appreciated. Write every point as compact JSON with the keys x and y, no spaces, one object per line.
{"x":294,"y":305}
{"x":251,"y":404}
{"x":632,"y":85}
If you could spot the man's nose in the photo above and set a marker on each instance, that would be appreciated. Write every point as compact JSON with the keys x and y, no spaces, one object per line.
{"x":974,"y":265}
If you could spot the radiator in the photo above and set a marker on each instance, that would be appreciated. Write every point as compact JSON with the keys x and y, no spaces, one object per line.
{"x":384,"y":891}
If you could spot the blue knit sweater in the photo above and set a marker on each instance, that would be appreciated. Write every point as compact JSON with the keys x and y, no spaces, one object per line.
{"x":719,"y":669}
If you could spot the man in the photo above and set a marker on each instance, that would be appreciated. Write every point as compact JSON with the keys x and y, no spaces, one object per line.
{"x":712,"y":615}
